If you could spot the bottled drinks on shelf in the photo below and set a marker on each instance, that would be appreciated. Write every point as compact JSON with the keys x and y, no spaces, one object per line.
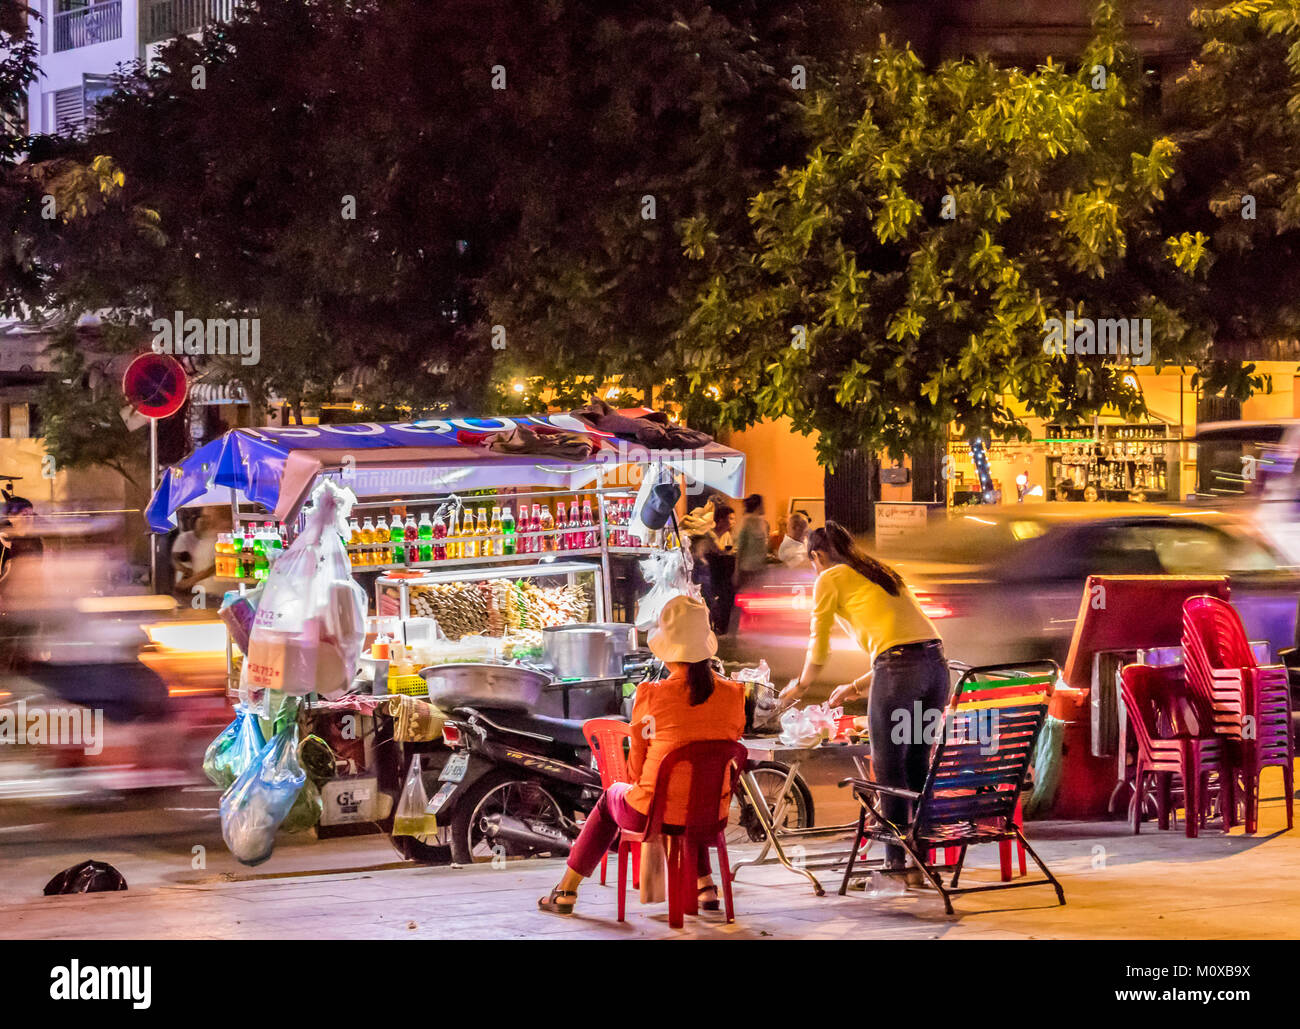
{"x":494,"y":529}
{"x":534,"y":530}
{"x":561,"y":527}
{"x":453,"y":533}
{"x":381,"y":538}
{"x":547,"y":526}
{"x":588,"y":525}
{"x":469,"y":547}
{"x":439,"y":533}
{"x":411,"y":535}
{"x":481,"y":530}
{"x":508,"y":530}
{"x":573,"y":538}
{"x":397,"y":541}
{"x":424,"y":531}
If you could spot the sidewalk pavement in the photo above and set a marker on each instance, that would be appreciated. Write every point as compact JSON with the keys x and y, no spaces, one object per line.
{"x":1117,"y":886}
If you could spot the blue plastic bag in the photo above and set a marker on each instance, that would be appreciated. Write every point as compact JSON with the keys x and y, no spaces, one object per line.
{"x":260,"y":799}
{"x":234,"y":749}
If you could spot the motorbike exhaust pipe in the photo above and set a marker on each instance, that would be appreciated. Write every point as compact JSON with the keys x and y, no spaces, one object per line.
{"x":508,"y":829}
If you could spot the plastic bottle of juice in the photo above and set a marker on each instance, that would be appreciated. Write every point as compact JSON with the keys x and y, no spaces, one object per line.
{"x":469,"y":548}
{"x":453,"y":531}
{"x":425,"y":533}
{"x":411,"y":538}
{"x":354,"y":542}
{"x":397,"y":537}
{"x":481,"y":529}
{"x":534,"y":530}
{"x":573,"y":539}
{"x":439,"y":532}
{"x":220,"y":562}
{"x":588,"y":523}
{"x":494,"y":529}
{"x":508,"y":529}
{"x":250,"y":553}
{"x":547,"y":525}
{"x":561,"y":526}
{"x":378,"y":554}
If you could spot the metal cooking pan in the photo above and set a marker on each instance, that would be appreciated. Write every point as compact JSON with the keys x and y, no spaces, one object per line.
{"x":504,"y":687}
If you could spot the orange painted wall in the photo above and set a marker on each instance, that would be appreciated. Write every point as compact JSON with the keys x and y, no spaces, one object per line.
{"x":779,"y":464}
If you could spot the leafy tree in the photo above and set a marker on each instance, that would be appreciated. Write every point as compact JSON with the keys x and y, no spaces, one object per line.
{"x":18,"y":70}
{"x":1234,"y":116}
{"x":497,"y":179}
{"x":902,"y":275}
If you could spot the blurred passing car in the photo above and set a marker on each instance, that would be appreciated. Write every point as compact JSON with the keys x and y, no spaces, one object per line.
{"x":1004,"y":584}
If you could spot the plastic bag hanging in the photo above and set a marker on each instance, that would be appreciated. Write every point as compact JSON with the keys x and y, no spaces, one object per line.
{"x":262,"y":797}
{"x":310,"y":624}
{"x":669,"y":576}
{"x":412,"y":816}
{"x":234,"y":749}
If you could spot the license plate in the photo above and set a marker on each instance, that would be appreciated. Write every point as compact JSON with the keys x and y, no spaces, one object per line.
{"x":442,"y":796}
{"x":454,"y":770}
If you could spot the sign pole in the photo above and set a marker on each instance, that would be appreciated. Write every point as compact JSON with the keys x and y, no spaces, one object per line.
{"x":153,"y":488}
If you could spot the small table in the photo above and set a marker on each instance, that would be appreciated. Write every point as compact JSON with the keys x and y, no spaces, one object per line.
{"x":772,"y":750}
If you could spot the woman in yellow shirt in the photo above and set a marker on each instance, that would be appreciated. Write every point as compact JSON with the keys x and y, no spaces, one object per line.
{"x":905,"y":653}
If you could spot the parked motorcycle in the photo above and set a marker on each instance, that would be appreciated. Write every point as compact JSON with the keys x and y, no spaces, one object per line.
{"x":516,"y":785}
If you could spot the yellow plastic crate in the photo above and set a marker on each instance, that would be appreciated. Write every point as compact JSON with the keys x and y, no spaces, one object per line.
{"x":409,"y":685}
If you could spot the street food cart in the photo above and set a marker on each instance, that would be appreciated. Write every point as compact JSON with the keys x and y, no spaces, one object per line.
{"x":453,"y":582}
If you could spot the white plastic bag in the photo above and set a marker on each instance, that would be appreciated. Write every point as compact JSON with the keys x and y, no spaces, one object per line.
{"x":669,"y":577}
{"x":310,"y":624}
{"x":810,"y":726}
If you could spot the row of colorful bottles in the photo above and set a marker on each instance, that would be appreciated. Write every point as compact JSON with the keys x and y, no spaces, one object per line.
{"x":247,"y":553}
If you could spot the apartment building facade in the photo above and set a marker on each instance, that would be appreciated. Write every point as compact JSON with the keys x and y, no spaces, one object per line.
{"x":84,"y":42}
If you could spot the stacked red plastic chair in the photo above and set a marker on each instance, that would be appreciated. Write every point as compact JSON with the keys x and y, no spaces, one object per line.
{"x":1251,"y":703}
{"x":1174,"y":737}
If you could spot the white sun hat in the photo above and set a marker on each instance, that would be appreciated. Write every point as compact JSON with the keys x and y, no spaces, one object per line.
{"x":683,"y":632}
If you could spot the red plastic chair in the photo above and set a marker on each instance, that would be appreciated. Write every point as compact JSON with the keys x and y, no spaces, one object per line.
{"x":607,"y":738}
{"x":1006,"y":851}
{"x":1174,"y":737}
{"x":1222,"y":669}
{"x":714,"y":768}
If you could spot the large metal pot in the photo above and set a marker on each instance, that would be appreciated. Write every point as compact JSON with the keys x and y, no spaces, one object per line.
{"x":504,"y":687}
{"x":588,"y":650}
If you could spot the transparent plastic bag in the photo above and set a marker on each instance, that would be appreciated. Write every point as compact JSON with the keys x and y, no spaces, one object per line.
{"x":810,"y":726}
{"x":234,"y":749}
{"x":261,"y":798}
{"x":413,"y":817}
{"x":669,"y":577}
{"x":310,"y":623}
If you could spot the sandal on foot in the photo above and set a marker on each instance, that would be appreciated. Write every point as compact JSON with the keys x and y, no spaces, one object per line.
{"x":709,"y":905}
{"x":559,"y":901}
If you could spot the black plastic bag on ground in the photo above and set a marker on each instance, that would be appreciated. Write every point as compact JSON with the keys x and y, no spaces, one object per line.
{"x":87,"y":877}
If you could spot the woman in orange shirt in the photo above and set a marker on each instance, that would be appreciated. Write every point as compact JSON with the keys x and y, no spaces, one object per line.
{"x":691,"y":704}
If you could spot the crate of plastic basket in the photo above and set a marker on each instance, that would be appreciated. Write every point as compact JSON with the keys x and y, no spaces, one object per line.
{"x":409,"y":685}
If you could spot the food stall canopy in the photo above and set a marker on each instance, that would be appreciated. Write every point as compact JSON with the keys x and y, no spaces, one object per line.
{"x":276,"y":467}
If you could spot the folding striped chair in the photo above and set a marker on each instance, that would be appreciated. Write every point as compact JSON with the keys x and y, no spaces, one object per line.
{"x":977,"y":771}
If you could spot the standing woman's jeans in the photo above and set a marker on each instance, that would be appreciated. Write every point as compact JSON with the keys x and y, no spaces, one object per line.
{"x":900,"y":753}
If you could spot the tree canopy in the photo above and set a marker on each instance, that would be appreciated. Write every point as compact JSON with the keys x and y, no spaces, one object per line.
{"x":905,"y":271}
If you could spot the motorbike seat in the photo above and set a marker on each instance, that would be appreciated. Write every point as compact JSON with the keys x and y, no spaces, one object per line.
{"x":563,"y":730}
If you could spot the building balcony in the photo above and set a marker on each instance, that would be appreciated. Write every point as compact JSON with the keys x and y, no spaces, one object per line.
{"x":87,"y":26}
{"x":165,"y":19}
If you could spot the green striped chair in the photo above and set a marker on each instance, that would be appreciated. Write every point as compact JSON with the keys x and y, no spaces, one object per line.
{"x":977,"y":771}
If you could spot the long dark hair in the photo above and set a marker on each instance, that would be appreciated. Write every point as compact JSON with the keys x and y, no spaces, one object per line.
{"x":699,"y":678}
{"x":837,"y":545}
